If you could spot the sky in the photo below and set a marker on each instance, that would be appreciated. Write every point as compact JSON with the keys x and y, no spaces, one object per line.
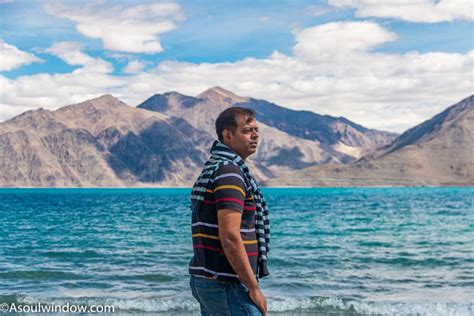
{"x":387,"y":65}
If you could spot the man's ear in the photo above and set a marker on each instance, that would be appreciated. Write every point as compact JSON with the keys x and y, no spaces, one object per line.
{"x":226,"y":135}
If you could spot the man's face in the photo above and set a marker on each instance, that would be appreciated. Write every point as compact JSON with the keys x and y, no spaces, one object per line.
{"x":245,"y":138}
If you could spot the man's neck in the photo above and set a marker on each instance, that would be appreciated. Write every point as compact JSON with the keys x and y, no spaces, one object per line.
{"x":243,"y":158}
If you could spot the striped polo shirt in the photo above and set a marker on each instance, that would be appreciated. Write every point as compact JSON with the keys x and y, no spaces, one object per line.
{"x":226,"y":190}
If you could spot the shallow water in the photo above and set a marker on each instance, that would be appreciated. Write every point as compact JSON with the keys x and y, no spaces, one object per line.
{"x":345,"y":251}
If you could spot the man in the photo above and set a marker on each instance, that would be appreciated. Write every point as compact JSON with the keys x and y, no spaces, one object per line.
{"x":230,"y":225}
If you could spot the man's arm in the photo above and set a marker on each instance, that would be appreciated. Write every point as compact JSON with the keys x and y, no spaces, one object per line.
{"x":234,"y":250}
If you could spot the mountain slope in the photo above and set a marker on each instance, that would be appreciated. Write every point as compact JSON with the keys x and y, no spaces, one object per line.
{"x":438,"y":151}
{"x":309,"y":125}
{"x":104,"y":142}
{"x":290,"y":139}
{"x":432,"y":128}
{"x":100,"y":142}
{"x":278,"y":151}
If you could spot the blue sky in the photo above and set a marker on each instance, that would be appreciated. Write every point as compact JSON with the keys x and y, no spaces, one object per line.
{"x":379,"y":66}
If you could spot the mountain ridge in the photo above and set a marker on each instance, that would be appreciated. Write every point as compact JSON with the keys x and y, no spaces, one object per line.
{"x":106,"y":143}
{"x":426,"y":128}
{"x":341,"y":139}
{"x":439,"y":151}
{"x":73,"y":147}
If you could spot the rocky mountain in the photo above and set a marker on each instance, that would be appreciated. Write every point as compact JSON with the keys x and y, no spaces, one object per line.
{"x":100,"y":142}
{"x":164,"y":142}
{"x":439,"y":151}
{"x":338,"y":132}
{"x":289,"y":139}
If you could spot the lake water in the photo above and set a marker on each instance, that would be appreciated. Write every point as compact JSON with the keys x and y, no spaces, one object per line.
{"x":344,"y":251}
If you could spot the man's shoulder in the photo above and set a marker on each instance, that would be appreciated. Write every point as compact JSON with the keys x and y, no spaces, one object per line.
{"x":228,"y":168}
{"x":230,"y":174}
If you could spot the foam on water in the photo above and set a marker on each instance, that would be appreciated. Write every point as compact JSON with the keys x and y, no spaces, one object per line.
{"x":278,"y":305}
{"x":334,"y":305}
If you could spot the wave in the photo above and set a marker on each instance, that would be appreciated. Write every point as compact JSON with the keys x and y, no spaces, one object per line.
{"x":277,"y":305}
{"x":340,"y":306}
{"x":39,"y":275}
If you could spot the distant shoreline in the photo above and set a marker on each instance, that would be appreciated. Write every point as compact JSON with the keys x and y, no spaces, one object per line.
{"x":265,"y":187}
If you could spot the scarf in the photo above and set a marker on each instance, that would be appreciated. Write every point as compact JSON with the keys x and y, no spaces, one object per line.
{"x":222,"y":155}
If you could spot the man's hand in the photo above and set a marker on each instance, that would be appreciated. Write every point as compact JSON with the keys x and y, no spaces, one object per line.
{"x":229,"y":235}
{"x":259,"y":299}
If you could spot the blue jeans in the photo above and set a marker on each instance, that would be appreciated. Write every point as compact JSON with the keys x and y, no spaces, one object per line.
{"x":222,"y":298}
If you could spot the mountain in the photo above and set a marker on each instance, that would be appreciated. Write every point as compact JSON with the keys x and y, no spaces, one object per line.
{"x":338,"y":132}
{"x":438,"y":151}
{"x":100,"y":142}
{"x":219,"y":95}
{"x":289,"y":139}
{"x":104,"y":142}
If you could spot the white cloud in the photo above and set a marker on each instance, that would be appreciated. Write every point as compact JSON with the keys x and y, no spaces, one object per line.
{"x":71,"y":53}
{"x":134,"y":67}
{"x":428,"y":11}
{"x":337,"y":39}
{"x":378,"y":90}
{"x":11,"y":57}
{"x":134,"y":29}
{"x":50,"y":91}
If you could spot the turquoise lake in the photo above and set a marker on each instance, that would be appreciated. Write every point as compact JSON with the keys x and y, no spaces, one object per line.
{"x":344,"y":251}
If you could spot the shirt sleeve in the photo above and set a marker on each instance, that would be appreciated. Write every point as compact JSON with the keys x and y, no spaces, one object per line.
{"x":229,"y":188}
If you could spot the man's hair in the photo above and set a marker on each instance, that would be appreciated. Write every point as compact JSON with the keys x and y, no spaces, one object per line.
{"x":228,"y":119}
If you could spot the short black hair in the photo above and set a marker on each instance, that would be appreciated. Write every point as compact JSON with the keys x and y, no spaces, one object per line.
{"x":228,"y":119}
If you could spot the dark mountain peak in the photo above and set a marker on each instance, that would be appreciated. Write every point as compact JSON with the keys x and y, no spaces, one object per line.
{"x":220,"y":95}
{"x":312,"y":126}
{"x":175,"y":94}
{"x":162,"y":102}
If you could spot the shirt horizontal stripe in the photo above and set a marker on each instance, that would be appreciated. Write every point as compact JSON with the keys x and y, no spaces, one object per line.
{"x":226,"y":175}
{"x":206,"y":236}
{"x":247,"y":230}
{"x":246,"y":242}
{"x":230,"y":186}
{"x":205,"y":224}
{"x":249,"y":254}
{"x":209,"y":248}
{"x":230,"y":200}
{"x":243,"y":230}
{"x":250,"y":242}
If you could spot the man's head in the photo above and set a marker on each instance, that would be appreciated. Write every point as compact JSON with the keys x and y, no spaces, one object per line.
{"x":237,"y":128}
